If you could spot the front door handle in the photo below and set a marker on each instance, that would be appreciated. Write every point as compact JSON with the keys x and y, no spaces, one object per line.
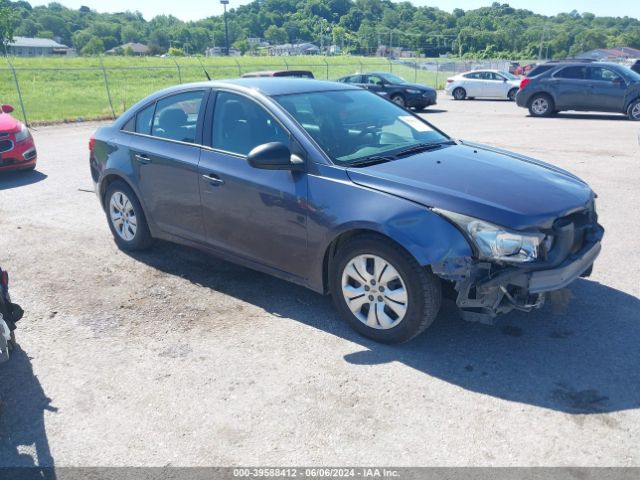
{"x":142,"y":158}
{"x":213,"y":179}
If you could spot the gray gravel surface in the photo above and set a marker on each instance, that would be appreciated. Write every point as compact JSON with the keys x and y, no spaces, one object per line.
{"x":173,"y":357}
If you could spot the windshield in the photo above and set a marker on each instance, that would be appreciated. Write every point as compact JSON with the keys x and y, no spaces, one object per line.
{"x":509,"y":75}
{"x":391,"y":78}
{"x":352,"y":125}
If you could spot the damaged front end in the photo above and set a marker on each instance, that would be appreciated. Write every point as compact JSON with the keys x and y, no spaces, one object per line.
{"x":485,"y":287}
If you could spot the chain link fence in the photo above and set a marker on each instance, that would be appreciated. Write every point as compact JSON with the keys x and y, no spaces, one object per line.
{"x":51,"y":90}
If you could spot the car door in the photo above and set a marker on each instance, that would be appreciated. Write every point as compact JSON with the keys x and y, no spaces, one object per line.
{"x":473,"y":84}
{"x":496,"y":86}
{"x":165,"y":151}
{"x":606,"y":90}
{"x":570,"y":87}
{"x":255,"y":214}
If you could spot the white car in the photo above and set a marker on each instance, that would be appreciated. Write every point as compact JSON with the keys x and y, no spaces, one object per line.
{"x":483,"y":83}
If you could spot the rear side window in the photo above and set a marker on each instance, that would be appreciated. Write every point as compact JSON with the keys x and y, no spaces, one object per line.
{"x":353,"y":79}
{"x":143,"y":119}
{"x":176,"y":117}
{"x":240,"y":125}
{"x":474,"y":76}
{"x":539,"y":70}
{"x":574,"y":73}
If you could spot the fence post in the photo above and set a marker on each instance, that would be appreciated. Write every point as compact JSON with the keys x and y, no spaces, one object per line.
{"x":178,"y":67}
{"x":390,"y":65}
{"x":361,"y":67}
{"x":106,"y":84}
{"x":437,"y":71}
{"x":327,"y":65}
{"x":285,"y":62}
{"x":415,"y":71}
{"x":15,"y":78}
{"x":239,"y":67}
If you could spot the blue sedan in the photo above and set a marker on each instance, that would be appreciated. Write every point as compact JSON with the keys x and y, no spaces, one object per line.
{"x":332,"y":187}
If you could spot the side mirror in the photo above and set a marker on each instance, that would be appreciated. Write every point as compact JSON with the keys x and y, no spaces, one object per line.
{"x":7,"y":108}
{"x":273,"y":156}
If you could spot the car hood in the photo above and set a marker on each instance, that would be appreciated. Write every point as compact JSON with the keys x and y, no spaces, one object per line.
{"x":483,"y":182}
{"x":8,"y":123}
{"x":417,"y":86}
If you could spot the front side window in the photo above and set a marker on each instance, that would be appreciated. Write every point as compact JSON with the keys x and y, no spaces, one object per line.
{"x":176,"y":117}
{"x":374,"y":80}
{"x":240,"y":125}
{"x":603,"y":75}
{"x":391,"y":78}
{"x":352,"y":125}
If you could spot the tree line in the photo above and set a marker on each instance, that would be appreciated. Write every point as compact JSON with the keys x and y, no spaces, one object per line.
{"x":356,"y":26}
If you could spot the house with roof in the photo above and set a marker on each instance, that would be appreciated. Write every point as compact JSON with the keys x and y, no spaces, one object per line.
{"x":36,"y":47}
{"x":289,"y":49}
{"x":137,"y":49}
{"x":604,"y":54}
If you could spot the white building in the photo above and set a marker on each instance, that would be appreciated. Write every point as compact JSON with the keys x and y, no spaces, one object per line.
{"x":36,"y":47}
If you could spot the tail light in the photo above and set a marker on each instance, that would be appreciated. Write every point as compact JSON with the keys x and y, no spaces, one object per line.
{"x":449,"y":80}
{"x":92,"y":144}
{"x":525,"y":81}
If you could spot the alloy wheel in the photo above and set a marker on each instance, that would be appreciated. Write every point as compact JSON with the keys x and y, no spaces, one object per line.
{"x":540,"y":106}
{"x":374,"y":291}
{"x":123,"y":216}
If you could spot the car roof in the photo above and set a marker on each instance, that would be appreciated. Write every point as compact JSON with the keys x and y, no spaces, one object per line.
{"x":269,"y":86}
{"x":275,"y":73}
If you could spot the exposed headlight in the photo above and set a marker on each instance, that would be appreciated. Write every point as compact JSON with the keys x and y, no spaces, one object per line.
{"x":498,"y":243}
{"x":413,"y":91}
{"x":23,"y":134}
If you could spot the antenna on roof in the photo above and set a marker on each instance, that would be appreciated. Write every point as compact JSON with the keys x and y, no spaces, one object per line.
{"x":204,"y":70}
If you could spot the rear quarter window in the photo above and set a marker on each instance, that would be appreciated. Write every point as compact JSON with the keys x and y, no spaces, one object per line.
{"x":539,"y":70}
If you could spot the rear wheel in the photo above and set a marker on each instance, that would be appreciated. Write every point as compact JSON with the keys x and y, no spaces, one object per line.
{"x":382,"y":292}
{"x":126,"y":218}
{"x":459,"y":93}
{"x":398,"y":100}
{"x":512,"y":94}
{"x":541,"y":105}
{"x":634,"y":110}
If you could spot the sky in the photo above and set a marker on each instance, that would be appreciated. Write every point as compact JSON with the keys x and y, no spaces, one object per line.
{"x":198,"y":9}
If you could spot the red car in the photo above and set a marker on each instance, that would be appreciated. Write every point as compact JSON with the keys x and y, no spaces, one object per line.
{"x":17,"y":149}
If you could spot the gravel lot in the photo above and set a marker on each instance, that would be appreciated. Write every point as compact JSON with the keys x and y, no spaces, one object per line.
{"x":175,"y":358}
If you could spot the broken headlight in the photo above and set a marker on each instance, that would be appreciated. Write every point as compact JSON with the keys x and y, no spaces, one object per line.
{"x":497,"y":243}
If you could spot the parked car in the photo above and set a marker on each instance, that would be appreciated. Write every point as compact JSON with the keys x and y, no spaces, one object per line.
{"x":483,"y":83}
{"x":10,"y":313}
{"x":395,"y":88}
{"x":585,"y":86}
{"x":334,"y":188}
{"x":280,"y":73}
{"x":17,"y":149}
{"x":636,"y":66}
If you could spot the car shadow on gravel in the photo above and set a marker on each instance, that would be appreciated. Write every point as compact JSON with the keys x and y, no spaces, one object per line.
{"x":580,"y":354}
{"x":20,"y":178}
{"x":23,"y":437}
{"x":587,"y":116}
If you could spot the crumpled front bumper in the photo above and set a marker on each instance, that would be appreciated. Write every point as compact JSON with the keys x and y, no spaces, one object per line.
{"x":485,"y":290}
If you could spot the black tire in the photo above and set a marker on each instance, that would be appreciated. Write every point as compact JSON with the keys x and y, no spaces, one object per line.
{"x":423,"y":289}
{"x":399,"y":100}
{"x":633,"y":112}
{"x":142,"y":238}
{"x":459,"y":94}
{"x":511,"y":96}
{"x":541,"y":105}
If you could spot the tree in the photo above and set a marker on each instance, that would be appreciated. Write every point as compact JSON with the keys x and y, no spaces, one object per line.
{"x":6,"y":26}
{"x":275,"y":35}
{"x":94,"y":46}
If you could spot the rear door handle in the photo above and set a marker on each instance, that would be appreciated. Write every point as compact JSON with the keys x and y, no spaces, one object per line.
{"x":142,"y":158}
{"x":213,"y":179}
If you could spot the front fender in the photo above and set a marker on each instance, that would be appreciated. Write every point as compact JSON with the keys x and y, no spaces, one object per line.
{"x":428,"y":237}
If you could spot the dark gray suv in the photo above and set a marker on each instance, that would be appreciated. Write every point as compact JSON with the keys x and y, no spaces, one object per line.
{"x":586,"y":86}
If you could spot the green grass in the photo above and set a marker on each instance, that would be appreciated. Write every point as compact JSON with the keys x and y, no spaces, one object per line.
{"x":72,"y":89}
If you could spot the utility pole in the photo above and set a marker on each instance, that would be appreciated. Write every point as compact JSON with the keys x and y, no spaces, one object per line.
{"x":226,"y":27}
{"x":544,"y":31}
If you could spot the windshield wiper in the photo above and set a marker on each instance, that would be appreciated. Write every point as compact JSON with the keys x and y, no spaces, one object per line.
{"x":421,"y":147}
{"x":367,"y":161}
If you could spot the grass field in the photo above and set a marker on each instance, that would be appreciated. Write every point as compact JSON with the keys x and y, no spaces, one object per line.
{"x":72,"y":89}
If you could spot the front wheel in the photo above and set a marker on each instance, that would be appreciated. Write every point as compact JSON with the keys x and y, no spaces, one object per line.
{"x":459,"y":93}
{"x":512,"y":94}
{"x":541,"y":105}
{"x":634,"y":110}
{"x":382,"y":292}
